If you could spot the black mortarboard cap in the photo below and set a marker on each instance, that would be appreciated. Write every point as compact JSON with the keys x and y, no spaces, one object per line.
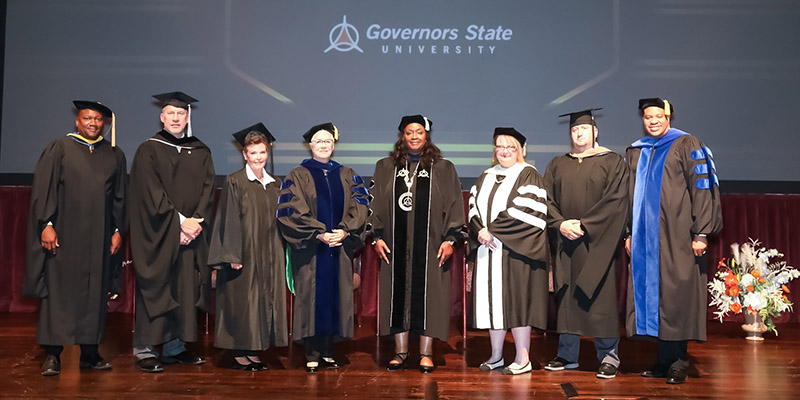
{"x":510,"y":132}
{"x":328,"y":126}
{"x":656,"y":102}
{"x":92,"y":105}
{"x":175,"y":99}
{"x":259,"y":127}
{"x":420,"y":119}
{"x":581,"y":117}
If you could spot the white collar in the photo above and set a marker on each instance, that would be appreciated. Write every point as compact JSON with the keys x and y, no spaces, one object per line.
{"x":512,"y":170}
{"x":252,"y":176}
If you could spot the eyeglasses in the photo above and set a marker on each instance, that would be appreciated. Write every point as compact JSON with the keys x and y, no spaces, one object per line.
{"x":510,"y":149}
{"x":319,"y":141}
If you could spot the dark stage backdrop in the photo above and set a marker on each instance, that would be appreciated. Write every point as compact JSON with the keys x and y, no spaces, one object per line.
{"x":768,"y":217}
{"x":730,"y":68}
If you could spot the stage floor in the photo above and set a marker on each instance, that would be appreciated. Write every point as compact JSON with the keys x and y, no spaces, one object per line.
{"x":727,"y":366}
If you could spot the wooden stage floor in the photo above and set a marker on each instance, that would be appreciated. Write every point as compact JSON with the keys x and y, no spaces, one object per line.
{"x":725,"y":367}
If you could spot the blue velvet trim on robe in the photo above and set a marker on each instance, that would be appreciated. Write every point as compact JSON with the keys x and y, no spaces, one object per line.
{"x":285,"y":198}
{"x":361,"y":193}
{"x":645,"y":238}
{"x":708,"y":168}
{"x":330,"y":208}
{"x":284,"y":212}
{"x":287,"y":183}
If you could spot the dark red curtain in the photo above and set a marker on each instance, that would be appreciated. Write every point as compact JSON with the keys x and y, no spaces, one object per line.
{"x":766,"y":217}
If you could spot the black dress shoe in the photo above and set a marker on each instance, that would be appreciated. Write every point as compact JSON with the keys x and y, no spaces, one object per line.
{"x":183,"y":358}
{"x":312,"y":367}
{"x":606,"y":371}
{"x":401,"y":357}
{"x":328,"y":362}
{"x":150,"y":364}
{"x":51,"y":366}
{"x":676,"y":376}
{"x":560,"y":364}
{"x":655,"y":371}
{"x":98,"y":364}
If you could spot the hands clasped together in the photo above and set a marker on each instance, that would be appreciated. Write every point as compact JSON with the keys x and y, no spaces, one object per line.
{"x":190,"y":230}
{"x":571,"y":229}
{"x":333,"y":238}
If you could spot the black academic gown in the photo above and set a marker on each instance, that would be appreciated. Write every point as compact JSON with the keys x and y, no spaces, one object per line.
{"x":689,"y":205}
{"x":510,"y":284}
{"x":594,"y":190}
{"x":299,"y":219}
{"x":169,"y":176}
{"x":251,"y":301}
{"x":416,"y":299}
{"x":82,"y":193}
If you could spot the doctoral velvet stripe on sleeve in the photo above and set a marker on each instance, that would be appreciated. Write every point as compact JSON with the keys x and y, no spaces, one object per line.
{"x":645,"y":238}
{"x":707,"y":168}
{"x":360,"y":192}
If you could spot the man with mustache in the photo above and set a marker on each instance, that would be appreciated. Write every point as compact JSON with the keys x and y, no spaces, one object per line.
{"x":77,"y":214}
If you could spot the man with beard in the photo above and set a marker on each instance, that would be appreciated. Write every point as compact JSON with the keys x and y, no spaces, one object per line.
{"x":588,"y":203}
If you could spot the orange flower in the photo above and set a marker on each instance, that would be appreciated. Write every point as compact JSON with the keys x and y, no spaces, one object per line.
{"x":755,"y":274}
{"x":721,"y":263}
{"x":785,"y":298}
{"x":761,"y":280}
{"x":751,"y":310}
{"x":736,"y":308}
{"x":750,"y":288}
{"x":785,"y":289}
{"x":731,"y":280}
{"x":733,"y":291}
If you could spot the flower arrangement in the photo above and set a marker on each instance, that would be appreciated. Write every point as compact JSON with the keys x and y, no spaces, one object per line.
{"x":749,"y":282}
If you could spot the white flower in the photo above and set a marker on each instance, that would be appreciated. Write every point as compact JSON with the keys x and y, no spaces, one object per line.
{"x":755,"y":301}
{"x":747,"y":280}
{"x":782,"y":278}
{"x":716,"y":286}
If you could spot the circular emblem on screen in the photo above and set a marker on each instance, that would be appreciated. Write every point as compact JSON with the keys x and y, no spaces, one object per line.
{"x":343,"y":37}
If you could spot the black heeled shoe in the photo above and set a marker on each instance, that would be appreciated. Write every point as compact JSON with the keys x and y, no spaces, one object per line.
{"x":242,"y":367}
{"x":425,"y":369}
{"x":402,"y":357}
{"x":328,"y":363}
{"x":257,"y":364}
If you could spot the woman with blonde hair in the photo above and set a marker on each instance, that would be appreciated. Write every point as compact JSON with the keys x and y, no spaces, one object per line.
{"x":507,"y":210}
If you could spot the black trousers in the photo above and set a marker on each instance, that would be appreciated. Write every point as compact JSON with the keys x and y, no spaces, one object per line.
{"x":88,"y":351}
{"x":673,"y":352}
{"x":318,"y":346}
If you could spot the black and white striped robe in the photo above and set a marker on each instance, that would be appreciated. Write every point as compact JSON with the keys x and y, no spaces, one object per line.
{"x":510,"y":284}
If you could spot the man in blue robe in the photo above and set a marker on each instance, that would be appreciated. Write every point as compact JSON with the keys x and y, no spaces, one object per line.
{"x":675,"y":207}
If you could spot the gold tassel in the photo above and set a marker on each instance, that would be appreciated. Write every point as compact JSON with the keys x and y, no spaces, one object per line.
{"x":666,"y":108}
{"x":113,"y":130}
